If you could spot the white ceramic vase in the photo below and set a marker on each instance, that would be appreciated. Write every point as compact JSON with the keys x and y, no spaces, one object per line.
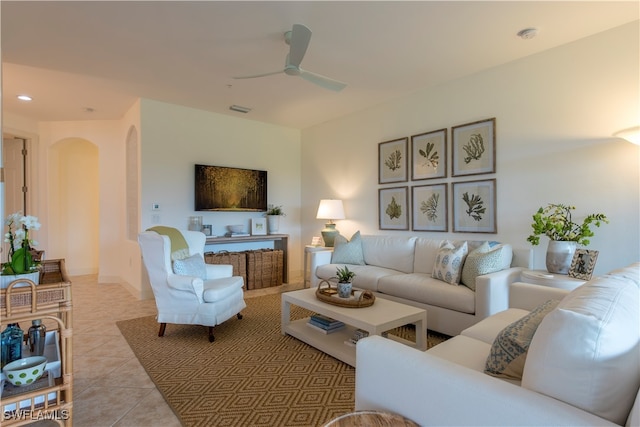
{"x":559,"y":256}
{"x":273,"y":223}
{"x":5,"y":280}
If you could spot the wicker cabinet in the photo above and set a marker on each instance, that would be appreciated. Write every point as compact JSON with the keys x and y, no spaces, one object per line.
{"x":51,"y":397}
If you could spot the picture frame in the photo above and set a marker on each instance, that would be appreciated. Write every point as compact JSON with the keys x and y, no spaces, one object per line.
{"x":429,"y":208}
{"x":393,"y":208}
{"x":258,"y":226}
{"x":583,"y":263}
{"x":429,"y":155}
{"x":473,"y":148}
{"x":392,"y":161}
{"x":474,"y":207}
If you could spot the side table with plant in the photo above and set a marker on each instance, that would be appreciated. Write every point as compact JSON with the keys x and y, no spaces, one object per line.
{"x":555,"y":221}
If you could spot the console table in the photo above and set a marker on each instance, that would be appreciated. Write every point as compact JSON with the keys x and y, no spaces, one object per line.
{"x":280,"y":241}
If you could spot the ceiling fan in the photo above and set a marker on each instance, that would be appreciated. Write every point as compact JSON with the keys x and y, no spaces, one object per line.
{"x":298,"y":40}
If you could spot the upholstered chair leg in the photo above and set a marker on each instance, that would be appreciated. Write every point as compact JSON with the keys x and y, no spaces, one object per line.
{"x":211,"y":337}
{"x":163,"y":326}
{"x":239,"y":315}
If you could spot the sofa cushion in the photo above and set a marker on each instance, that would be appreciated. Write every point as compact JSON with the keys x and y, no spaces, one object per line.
{"x":422,"y":288}
{"x":348,"y":252}
{"x":509,"y":349}
{"x":449,"y":262}
{"x":585,"y":352}
{"x":191,"y":266}
{"x":483,"y":260}
{"x":367,"y":276}
{"x":425,"y":255}
{"x":392,"y":252}
{"x":488,"y":328}
{"x":463,"y":351}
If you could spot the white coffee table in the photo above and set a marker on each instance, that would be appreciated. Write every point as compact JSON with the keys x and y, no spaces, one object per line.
{"x":382,"y":316}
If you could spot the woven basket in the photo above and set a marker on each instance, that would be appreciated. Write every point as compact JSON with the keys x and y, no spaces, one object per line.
{"x":326,"y":293}
{"x":264,"y":268}
{"x":236,"y":259}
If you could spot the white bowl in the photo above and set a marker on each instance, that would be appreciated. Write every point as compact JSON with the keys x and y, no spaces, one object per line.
{"x":25,"y":371}
{"x":236,"y":228}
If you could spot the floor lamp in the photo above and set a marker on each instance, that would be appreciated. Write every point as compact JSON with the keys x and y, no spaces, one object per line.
{"x":330,"y":209}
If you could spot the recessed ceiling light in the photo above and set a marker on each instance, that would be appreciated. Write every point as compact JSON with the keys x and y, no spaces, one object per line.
{"x":88,"y":109}
{"x":24,"y":98}
{"x":528,"y":33}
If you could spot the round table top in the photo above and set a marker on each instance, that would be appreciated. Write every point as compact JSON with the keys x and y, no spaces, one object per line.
{"x":371,"y":419}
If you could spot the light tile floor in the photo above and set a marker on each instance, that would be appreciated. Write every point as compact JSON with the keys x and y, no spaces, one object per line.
{"x":110,"y":387}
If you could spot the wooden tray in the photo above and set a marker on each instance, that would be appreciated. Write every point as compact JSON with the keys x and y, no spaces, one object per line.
{"x":326,"y":293}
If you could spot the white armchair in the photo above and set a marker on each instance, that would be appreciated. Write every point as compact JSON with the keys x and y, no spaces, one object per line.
{"x":189,"y":299}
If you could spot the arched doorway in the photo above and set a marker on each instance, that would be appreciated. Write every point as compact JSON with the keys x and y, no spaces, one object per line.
{"x":74,"y":205}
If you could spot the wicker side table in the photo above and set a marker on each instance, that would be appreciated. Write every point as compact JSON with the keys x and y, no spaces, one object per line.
{"x":371,"y":419}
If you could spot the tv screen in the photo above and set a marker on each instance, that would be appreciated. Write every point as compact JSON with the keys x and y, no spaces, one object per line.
{"x":219,"y":188}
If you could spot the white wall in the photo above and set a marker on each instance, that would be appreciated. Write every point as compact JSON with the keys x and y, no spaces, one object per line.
{"x":174,"y":138}
{"x":555,"y":112}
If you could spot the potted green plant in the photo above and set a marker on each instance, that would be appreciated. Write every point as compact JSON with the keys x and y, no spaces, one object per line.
{"x":20,"y":263}
{"x":273,"y":214}
{"x":555,"y":221}
{"x":345,"y":278}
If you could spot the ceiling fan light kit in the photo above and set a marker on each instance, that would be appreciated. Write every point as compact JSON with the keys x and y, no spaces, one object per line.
{"x":298,"y":39}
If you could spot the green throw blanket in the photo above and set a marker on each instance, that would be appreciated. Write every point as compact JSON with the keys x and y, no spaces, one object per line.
{"x":179,"y":247}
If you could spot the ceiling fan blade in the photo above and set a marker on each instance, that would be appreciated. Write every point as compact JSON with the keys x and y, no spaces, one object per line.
{"x":300,"y":38}
{"x":258,"y":75}
{"x":323,"y":81}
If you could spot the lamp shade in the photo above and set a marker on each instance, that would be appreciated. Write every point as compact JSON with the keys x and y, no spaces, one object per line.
{"x":330,"y":209}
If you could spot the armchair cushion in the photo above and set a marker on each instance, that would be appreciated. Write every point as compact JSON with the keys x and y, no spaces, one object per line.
{"x":191,"y":266}
{"x":220,"y":289}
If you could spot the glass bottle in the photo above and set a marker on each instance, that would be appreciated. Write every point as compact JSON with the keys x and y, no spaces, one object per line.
{"x":11,"y":343}
{"x":36,"y":334}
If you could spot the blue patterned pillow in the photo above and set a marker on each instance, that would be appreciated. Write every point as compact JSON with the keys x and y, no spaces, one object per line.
{"x":191,"y":266}
{"x":345,"y":252}
{"x":509,"y":349}
{"x":449,"y":262}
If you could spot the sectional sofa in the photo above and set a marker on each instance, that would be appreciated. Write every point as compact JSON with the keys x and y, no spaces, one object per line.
{"x":554,"y":358}
{"x":401,"y":268}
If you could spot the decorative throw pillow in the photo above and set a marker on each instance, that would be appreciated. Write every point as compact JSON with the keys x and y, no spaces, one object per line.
{"x":348,"y":252}
{"x":449,"y":262}
{"x":509,"y":349}
{"x":482,"y":260}
{"x":191,"y":266}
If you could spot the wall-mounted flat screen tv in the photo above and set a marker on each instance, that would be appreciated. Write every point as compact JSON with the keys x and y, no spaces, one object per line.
{"x":219,"y":188}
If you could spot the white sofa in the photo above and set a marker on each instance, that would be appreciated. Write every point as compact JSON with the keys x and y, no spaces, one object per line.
{"x":399,"y":268}
{"x":582,"y":367}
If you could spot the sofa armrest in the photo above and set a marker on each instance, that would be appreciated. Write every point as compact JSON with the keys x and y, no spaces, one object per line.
{"x":318,"y":258}
{"x":492,"y":291}
{"x":528,"y":296}
{"x":435,"y":392}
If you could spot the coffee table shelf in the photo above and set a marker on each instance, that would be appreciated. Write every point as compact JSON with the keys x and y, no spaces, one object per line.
{"x":381,"y":317}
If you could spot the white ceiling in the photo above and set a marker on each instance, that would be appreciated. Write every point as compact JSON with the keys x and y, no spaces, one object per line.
{"x":104,"y":55}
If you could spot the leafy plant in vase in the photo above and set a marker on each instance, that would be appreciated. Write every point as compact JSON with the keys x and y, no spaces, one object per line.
{"x":555,"y":222}
{"x":273,"y":218}
{"x":345,"y":277}
{"x":20,"y":260}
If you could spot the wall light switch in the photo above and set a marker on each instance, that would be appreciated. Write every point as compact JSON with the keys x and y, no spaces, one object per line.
{"x":155,"y":206}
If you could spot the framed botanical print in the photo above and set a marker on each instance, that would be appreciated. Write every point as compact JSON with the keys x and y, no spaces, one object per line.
{"x":582,"y":264}
{"x":392,"y":161}
{"x":429,"y":208}
{"x":429,"y":155}
{"x":473,"y":148}
{"x":393,"y":208}
{"x":474,"y":207}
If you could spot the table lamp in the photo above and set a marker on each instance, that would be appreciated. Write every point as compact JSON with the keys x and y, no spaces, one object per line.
{"x":330,"y":209}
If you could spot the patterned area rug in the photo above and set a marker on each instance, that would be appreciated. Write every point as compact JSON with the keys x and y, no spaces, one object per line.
{"x":250,"y":376}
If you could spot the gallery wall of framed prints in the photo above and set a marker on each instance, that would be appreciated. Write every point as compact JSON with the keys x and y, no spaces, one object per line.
{"x":440,"y":168}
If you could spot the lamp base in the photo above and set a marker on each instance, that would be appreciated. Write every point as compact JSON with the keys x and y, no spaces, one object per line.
{"x":329,"y":234}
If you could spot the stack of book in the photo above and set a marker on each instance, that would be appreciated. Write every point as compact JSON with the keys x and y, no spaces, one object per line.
{"x":232,"y":234}
{"x":324,"y":324}
{"x":357,"y":335}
